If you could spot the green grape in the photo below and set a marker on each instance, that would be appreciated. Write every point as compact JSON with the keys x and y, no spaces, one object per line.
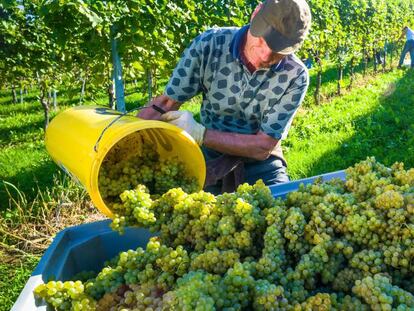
{"x":345,"y":279}
{"x":133,"y":161}
{"x":379,"y":293}
{"x":294,"y":228}
{"x":236,"y":286}
{"x":66,"y":295}
{"x":214,"y":261}
{"x":320,"y":302}
{"x":368,"y":261}
{"x":194,"y":292}
{"x":268,"y":296}
{"x":347,"y":303}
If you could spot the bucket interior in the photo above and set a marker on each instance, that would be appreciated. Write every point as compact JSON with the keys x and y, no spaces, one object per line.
{"x":130,"y":160}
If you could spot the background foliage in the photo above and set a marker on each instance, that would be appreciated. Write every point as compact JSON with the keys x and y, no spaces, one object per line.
{"x":67,"y":44}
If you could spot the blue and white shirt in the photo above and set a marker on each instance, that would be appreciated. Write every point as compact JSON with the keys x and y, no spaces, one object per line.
{"x":409,"y":34}
{"x":235,"y":100}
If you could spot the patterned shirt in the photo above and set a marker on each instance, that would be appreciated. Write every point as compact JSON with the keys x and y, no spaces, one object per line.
{"x":235,"y":100}
{"x":409,"y":34}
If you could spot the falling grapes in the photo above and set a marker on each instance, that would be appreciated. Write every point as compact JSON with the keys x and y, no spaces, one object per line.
{"x":338,"y":245}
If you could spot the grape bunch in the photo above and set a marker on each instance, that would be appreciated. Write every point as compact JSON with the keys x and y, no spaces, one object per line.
{"x":66,"y":295}
{"x":336,"y":245}
{"x":134,"y":161}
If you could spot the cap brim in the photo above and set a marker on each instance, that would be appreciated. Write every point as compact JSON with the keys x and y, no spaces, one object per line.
{"x":274,"y":39}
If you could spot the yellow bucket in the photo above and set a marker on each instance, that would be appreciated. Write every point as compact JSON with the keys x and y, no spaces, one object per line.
{"x":79,"y":138}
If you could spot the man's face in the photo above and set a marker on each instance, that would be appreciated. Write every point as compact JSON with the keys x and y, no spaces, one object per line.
{"x":264,"y":53}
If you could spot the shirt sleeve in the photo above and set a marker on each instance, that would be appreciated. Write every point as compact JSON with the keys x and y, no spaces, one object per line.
{"x":279,"y":114}
{"x":185,"y":80}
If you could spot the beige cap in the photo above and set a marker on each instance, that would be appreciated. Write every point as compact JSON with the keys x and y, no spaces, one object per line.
{"x":283,"y":24}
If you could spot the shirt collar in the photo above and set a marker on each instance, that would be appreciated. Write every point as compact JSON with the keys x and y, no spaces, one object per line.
{"x":235,"y":47}
{"x":237,"y":41}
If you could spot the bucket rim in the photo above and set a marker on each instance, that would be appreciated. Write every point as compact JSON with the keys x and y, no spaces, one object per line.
{"x":117,"y":135}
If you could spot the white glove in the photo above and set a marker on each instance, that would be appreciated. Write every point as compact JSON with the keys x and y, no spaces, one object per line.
{"x":184,"y":119}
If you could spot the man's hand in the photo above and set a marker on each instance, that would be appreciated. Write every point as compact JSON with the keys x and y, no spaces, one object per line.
{"x":185,"y":120}
{"x":163,"y":102}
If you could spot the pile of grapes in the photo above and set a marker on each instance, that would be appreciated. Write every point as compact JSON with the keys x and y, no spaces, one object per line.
{"x":338,"y":245}
{"x":134,"y":161}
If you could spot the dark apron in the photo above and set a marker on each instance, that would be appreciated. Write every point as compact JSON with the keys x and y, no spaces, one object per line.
{"x":272,"y":171}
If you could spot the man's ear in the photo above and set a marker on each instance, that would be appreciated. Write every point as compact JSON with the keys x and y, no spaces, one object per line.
{"x":256,"y":10}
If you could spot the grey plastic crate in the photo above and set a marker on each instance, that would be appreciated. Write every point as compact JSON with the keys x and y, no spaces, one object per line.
{"x":283,"y":189}
{"x":76,"y":249}
{"x":87,"y":247}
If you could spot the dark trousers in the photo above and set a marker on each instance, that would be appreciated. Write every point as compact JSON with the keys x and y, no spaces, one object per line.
{"x":272,"y":171}
{"x":408,"y":48}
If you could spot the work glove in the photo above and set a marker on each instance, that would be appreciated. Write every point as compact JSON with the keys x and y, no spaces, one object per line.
{"x":185,"y":120}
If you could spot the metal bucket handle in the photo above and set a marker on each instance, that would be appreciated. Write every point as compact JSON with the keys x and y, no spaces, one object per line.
{"x":160,"y":110}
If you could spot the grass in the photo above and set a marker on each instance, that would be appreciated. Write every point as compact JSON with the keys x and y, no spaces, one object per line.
{"x":29,"y":226}
{"x":375,"y":120}
{"x":13,"y":278}
{"x":23,"y":160}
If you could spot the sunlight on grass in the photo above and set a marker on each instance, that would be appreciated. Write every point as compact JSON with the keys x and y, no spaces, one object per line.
{"x":14,"y":277}
{"x":317,"y":135}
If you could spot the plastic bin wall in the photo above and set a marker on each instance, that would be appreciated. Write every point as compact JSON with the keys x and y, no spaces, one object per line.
{"x":86,"y":247}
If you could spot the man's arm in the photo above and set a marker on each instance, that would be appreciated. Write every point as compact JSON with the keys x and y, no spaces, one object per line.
{"x":164,"y":102}
{"x":402,"y":35}
{"x":274,"y":126}
{"x":256,"y":146}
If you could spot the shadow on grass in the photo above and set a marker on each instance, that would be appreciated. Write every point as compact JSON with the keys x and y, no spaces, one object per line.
{"x":387,"y":133}
{"x":7,"y":110}
{"x":7,"y":134}
{"x":28,"y":182}
{"x":26,"y":99}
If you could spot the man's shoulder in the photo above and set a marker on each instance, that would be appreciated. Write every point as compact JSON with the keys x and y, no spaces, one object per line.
{"x":293,"y":63}
{"x":221,"y":33}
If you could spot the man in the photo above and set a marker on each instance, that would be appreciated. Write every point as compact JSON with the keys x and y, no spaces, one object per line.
{"x":408,"y":46}
{"x":252,"y":85}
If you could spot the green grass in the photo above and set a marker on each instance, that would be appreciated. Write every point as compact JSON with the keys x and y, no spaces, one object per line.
{"x":13,"y":277}
{"x":23,"y":159}
{"x":375,"y":120}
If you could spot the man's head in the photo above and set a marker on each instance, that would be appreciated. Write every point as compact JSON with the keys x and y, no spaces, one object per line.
{"x":405,"y":28}
{"x":283,"y":24}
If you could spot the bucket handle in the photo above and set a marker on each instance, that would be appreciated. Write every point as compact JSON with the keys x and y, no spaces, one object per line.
{"x":160,"y":110}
